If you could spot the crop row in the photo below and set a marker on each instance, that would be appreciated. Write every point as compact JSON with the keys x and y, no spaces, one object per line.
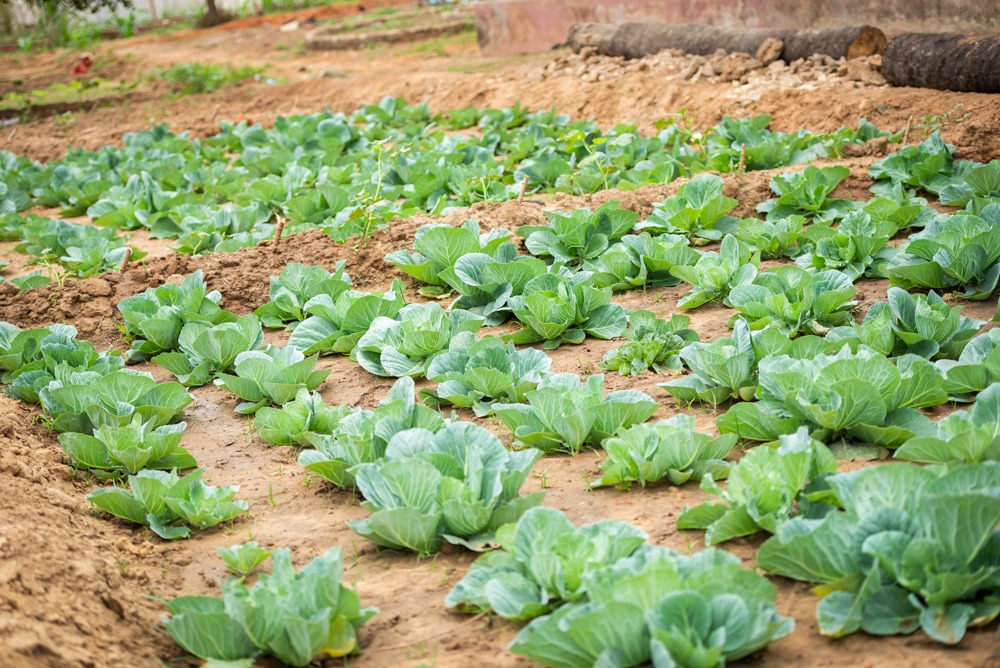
{"x":350,"y":175}
{"x":845,"y":239}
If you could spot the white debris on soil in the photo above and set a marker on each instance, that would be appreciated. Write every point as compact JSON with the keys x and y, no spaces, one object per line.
{"x":750,"y":77}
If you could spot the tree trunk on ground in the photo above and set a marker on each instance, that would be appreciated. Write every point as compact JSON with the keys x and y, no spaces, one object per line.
{"x":635,"y":40}
{"x":945,"y":62}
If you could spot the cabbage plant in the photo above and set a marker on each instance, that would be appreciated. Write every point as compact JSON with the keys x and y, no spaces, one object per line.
{"x":579,"y":235}
{"x":543,"y":562}
{"x":20,"y":347}
{"x":859,"y":395}
{"x":168,"y":504}
{"x":85,"y":401}
{"x":969,"y":436}
{"x":977,"y":367}
{"x":714,"y":275}
{"x":720,"y":370}
{"x":926,"y":325}
{"x":955,"y":253}
{"x":854,"y":247}
{"x":478,"y":372}
{"x":697,"y":610}
{"x":762,"y":489}
{"x":403,"y":346}
{"x":563,"y":413}
{"x":271,"y":376}
{"x":438,"y":247}
{"x":154,"y":318}
{"x":218,"y":229}
{"x":209,"y":350}
{"x":674,"y":610}
{"x":726,"y":368}
{"x":295,"y":617}
{"x":653,"y":343}
{"x":35,"y":358}
{"x":82,"y":250}
{"x":895,"y":206}
{"x":806,"y":193}
{"x":978,"y":188}
{"x":335,"y":325}
{"x":772,"y":239}
{"x":299,"y":421}
{"x":639,"y":260}
{"x":116,"y":450}
{"x":30,"y":281}
{"x":923,"y":325}
{"x":486,"y":282}
{"x":243,"y":559}
{"x":901,"y":548}
{"x":773,"y":342}
{"x":929,"y":166}
{"x":361,"y":436}
{"x":671,"y":449}
{"x":292,"y":289}
{"x":795,"y":301}
{"x":557,"y":308}
{"x":697,"y":210}
{"x":459,"y":484}
{"x":93,"y":256}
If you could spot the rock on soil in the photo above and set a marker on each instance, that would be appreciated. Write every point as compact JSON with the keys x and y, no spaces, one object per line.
{"x":750,"y":76}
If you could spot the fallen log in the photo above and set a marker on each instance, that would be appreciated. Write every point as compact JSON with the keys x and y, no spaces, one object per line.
{"x":597,"y":35}
{"x":635,"y":40}
{"x":967,"y":63}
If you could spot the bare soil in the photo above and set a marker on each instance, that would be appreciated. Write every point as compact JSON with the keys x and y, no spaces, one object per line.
{"x":75,"y":588}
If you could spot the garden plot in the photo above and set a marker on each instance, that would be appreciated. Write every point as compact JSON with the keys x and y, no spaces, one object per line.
{"x":315,"y":292}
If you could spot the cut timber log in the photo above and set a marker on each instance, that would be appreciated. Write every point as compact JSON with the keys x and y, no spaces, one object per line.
{"x":968,"y":63}
{"x":635,"y":40}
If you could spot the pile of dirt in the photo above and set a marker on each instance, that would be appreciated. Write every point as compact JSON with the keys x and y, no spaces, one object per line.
{"x":749,"y":76}
{"x":67,"y":594}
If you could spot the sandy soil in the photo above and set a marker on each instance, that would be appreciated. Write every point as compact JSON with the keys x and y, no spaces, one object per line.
{"x":74,"y":588}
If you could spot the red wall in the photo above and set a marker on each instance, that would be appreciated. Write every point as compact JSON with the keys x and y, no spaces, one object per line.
{"x":507,"y":27}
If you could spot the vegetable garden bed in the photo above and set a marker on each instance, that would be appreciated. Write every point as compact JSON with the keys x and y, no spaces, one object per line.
{"x":319,"y":265}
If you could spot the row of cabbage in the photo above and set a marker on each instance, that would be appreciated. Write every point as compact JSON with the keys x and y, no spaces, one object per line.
{"x":698,"y":212}
{"x":350,"y":175}
{"x":117,"y":423}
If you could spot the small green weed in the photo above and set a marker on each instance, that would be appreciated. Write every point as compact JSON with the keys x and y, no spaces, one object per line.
{"x":196,"y":78}
{"x":928,"y":125}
